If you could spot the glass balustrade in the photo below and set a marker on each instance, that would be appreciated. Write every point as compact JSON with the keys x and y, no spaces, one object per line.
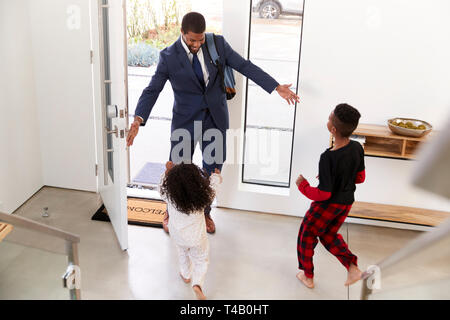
{"x":33,"y":260}
{"x":421,"y":270}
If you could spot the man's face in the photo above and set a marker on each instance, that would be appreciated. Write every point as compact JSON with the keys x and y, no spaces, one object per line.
{"x":193,"y":40}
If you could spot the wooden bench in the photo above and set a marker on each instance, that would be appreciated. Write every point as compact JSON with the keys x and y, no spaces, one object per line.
{"x":5,"y":228}
{"x":392,"y":213}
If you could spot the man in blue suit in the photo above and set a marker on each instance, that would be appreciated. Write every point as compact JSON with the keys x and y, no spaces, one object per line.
{"x":200,"y":102}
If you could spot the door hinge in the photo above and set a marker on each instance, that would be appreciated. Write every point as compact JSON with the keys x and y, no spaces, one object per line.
{"x":91,"y":54}
{"x":96,"y":170}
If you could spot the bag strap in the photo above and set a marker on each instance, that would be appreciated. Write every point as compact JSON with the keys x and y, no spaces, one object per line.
{"x":211,"y":47}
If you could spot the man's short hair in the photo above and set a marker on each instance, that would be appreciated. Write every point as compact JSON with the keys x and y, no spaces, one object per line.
{"x":194,"y":22}
{"x":345,"y":119}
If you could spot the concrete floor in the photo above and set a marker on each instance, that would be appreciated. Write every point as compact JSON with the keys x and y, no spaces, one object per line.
{"x":253,"y":256}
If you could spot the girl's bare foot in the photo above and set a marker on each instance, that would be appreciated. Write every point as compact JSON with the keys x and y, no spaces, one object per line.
{"x":184,"y":279}
{"x":354,"y":274}
{"x":308,"y":282}
{"x":198,"y":292}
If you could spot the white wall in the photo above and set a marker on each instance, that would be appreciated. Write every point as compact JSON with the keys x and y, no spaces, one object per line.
{"x":47,"y":117}
{"x":61,"y":58}
{"x":20,"y":157}
{"x":387,"y":58}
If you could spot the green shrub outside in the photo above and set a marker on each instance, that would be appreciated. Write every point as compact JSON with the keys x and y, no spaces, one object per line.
{"x":147,"y":35}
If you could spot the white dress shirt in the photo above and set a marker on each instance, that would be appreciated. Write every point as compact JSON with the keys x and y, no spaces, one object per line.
{"x":200,"y":58}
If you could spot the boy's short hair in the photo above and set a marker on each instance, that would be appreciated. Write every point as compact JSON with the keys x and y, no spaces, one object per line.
{"x":194,"y":22}
{"x":345,"y":119}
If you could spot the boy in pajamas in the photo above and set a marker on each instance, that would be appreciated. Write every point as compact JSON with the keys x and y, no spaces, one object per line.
{"x":340,"y":168}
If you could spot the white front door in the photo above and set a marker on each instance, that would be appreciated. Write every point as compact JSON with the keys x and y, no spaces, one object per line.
{"x":109,"y":44}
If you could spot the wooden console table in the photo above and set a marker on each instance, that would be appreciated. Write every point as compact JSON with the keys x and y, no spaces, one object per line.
{"x":382,"y":142}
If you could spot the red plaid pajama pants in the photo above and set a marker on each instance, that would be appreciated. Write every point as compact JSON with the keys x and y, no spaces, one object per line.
{"x":323,"y":221}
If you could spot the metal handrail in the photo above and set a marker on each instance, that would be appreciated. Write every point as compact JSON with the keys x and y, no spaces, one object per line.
{"x":413,"y":248}
{"x":71,"y":240}
{"x":39,"y":227}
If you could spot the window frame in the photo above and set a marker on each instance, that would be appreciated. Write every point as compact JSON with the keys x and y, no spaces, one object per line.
{"x":262,"y":182}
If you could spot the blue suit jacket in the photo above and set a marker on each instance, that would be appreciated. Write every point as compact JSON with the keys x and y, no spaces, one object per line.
{"x":190,"y":97}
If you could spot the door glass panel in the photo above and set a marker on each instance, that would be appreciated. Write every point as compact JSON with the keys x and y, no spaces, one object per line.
{"x":107,"y":85}
{"x":274,"y":46}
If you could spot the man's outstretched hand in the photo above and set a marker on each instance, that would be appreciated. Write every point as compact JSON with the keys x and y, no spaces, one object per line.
{"x":132,"y":133}
{"x":286,"y":93}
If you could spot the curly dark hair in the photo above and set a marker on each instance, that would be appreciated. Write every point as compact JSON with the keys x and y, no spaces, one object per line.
{"x":188,"y":188}
{"x":345,"y":119}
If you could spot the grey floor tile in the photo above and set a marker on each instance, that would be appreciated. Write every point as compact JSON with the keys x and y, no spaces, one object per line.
{"x":253,"y":255}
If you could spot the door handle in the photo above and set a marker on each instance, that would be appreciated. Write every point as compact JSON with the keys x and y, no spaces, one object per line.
{"x":115,"y":131}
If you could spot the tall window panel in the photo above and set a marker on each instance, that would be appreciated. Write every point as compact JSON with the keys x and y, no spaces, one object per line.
{"x":274,"y":46}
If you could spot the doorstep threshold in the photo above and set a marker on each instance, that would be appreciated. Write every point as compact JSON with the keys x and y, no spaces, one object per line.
{"x":143,"y":191}
{"x":150,"y":192}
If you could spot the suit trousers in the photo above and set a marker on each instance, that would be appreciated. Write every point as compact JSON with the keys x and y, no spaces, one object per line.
{"x":205,"y":132}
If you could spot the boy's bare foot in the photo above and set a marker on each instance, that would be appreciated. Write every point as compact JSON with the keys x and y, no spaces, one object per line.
{"x":184,"y":279}
{"x":354,"y":274}
{"x":198,"y":292}
{"x":308,"y":282}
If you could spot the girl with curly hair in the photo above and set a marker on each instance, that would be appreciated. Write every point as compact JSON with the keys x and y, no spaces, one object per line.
{"x":188,"y":190}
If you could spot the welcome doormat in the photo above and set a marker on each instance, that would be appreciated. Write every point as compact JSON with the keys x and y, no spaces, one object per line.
{"x":143,"y":212}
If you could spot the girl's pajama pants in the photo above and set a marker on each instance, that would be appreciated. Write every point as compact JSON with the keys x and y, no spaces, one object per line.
{"x":194,"y":262}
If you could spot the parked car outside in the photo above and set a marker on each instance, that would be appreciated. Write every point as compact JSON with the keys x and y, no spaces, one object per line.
{"x":272,"y":9}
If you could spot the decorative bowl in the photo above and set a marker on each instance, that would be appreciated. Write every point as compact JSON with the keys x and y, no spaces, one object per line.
{"x":400,"y":126}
